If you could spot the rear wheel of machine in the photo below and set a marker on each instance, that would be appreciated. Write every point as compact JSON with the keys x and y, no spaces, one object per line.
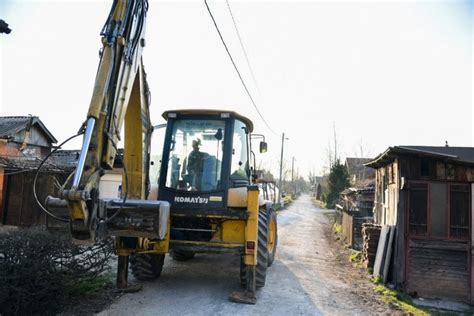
{"x":262,"y":254}
{"x":272,"y":239}
{"x":182,"y":255}
{"x":146,"y":266}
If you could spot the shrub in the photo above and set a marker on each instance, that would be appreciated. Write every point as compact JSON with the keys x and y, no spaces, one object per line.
{"x":39,"y":271}
{"x":338,"y":181}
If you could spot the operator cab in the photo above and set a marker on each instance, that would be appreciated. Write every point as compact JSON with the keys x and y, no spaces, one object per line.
{"x":205,"y":153}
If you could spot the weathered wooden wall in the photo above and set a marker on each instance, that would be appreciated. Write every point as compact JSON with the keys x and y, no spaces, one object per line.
{"x":352,"y":229}
{"x":411,"y":168}
{"x":347,"y":227}
{"x":386,"y":194}
{"x":2,"y":192}
{"x":21,"y":208}
{"x":438,"y":269}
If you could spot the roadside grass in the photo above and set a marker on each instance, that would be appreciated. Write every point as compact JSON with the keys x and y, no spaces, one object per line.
{"x":288,"y":199}
{"x":277,"y":206}
{"x":97,"y":285}
{"x":356,"y":256}
{"x":90,"y":298}
{"x":356,"y":259}
{"x":337,"y":228}
{"x":377,"y":279}
{"x":400,"y":300}
{"x":319,"y":203}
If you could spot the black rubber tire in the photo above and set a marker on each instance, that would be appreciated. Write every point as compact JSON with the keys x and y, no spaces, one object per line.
{"x":146,"y":266}
{"x":182,"y":255}
{"x":262,"y":254}
{"x":272,"y":216}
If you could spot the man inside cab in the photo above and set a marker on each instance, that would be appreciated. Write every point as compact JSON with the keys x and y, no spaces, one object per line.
{"x":194,"y":166}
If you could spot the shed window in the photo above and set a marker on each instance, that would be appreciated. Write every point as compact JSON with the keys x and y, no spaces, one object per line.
{"x":459,"y":211}
{"x":439,"y":211}
{"x":418,"y":209}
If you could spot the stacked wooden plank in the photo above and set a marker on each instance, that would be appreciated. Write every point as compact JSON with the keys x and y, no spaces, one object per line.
{"x":370,"y":239}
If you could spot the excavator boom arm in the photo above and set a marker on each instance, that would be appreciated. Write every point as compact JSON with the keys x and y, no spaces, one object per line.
{"x":120,"y":97}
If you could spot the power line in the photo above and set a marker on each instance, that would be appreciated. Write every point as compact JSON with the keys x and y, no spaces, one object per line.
{"x":236,"y":69}
{"x":242,"y":46}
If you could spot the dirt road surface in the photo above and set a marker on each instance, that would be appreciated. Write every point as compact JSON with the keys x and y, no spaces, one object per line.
{"x":309,"y":277}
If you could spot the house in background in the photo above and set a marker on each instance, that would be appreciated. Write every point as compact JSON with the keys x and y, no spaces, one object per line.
{"x":24,"y":136}
{"x":24,"y":141}
{"x":317,"y":186}
{"x":425,"y":193}
{"x":359,"y":174}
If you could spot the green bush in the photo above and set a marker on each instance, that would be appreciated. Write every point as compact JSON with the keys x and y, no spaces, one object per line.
{"x":338,"y":181}
{"x":40,"y":271}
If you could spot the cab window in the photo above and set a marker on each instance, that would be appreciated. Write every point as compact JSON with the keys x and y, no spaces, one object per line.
{"x":195,"y":158}
{"x":240,"y":164}
{"x":156,"y":151}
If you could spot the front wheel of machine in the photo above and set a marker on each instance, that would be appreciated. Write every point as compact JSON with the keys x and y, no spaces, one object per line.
{"x":146,"y":266}
{"x":182,"y":255}
{"x":272,"y":239}
{"x":262,"y":255}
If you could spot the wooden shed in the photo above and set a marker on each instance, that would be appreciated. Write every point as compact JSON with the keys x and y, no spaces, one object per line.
{"x":24,"y":141}
{"x":356,"y":205}
{"x":426,"y":194}
{"x":18,"y":206}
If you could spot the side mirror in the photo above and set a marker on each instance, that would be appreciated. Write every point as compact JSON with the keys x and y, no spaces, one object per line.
{"x":263,"y":147}
{"x":219,"y":134}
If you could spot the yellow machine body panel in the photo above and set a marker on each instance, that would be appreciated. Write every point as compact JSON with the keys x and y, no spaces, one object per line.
{"x":233,"y":231}
{"x":237,"y":197}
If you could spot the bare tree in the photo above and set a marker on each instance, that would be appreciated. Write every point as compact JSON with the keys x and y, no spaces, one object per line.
{"x":362,"y":149}
{"x":332,"y":150}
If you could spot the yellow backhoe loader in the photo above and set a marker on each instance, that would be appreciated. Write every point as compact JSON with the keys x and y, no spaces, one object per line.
{"x":201,"y":197}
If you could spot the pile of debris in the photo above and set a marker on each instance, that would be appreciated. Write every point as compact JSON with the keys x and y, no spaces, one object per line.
{"x":370,"y":238}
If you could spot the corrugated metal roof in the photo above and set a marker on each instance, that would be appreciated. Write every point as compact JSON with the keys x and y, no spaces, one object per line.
{"x":11,"y":125}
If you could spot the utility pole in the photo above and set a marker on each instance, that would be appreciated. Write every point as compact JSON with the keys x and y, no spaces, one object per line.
{"x":292,"y":174}
{"x":281,"y":167}
{"x":335,"y":141}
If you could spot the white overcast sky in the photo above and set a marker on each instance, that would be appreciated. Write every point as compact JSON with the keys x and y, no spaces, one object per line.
{"x":386,"y":72}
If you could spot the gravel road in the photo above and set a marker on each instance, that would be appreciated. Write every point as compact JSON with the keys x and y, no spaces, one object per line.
{"x":308,"y":277}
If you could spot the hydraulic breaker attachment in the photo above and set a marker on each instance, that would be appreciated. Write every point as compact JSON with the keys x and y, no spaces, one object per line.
{"x":132,"y":218}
